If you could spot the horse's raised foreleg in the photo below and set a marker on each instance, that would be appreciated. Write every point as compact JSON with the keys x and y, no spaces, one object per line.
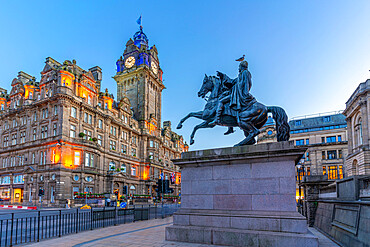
{"x":198,"y":114}
{"x":199,"y":126}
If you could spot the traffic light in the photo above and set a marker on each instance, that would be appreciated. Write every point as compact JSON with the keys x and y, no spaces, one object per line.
{"x":159,"y":186}
{"x":125,"y":190}
{"x":166,"y":185}
{"x":116,"y":193}
{"x":41,"y":192}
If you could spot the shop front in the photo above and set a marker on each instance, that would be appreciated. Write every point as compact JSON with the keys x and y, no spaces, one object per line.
{"x":5,"y":193}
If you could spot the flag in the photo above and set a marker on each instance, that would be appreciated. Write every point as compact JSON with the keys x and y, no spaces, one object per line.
{"x":139,"y":21}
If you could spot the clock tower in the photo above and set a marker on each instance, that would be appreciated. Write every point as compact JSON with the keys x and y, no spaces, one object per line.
{"x":139,"y":78}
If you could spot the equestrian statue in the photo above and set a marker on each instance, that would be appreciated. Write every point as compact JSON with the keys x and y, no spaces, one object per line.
{"x":231,"y":104}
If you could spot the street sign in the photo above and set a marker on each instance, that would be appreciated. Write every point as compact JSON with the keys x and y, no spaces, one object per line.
{"x":123,"y":205}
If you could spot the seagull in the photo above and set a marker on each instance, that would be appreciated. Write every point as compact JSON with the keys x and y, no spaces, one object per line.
{"x":240,"y":59}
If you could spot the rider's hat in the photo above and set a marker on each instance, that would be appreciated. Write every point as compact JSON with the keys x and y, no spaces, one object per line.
{"x":244,"y":64}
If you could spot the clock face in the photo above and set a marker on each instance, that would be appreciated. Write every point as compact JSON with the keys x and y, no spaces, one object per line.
{"x":154,"y":67}
{"x":130,"y":61}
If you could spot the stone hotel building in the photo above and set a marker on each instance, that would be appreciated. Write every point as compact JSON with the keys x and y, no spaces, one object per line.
{"x":64,"y":134}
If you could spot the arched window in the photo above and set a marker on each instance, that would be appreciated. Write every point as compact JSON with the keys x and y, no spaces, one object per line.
{"x":358,"y":132}
{"x":355,"y":170}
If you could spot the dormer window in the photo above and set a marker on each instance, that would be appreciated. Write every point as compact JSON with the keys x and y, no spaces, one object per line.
{"x":105,"y":105}
{"x":30,"y":97}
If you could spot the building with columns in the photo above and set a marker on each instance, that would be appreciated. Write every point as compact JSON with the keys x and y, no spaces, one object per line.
{"x":63,"y":134}
{"x":324,"y":135}
{"x":357,"y":114}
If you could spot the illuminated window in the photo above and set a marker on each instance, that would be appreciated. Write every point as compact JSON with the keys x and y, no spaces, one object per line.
{"x":340,"y":172}
{"x":332,"y":172}
{"x":340,"y":154}
{"x":53,"y":156}
{"x":77,"y":158}
{"x":323,"y":155}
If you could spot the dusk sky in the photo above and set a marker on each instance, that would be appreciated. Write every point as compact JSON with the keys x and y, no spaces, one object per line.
{"x":305,"y":56}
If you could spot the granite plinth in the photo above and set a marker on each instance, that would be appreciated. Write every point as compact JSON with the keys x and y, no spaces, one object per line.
{"x":241,"y":196}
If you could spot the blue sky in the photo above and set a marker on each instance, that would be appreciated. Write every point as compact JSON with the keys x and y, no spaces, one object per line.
{"x":306,"y":56}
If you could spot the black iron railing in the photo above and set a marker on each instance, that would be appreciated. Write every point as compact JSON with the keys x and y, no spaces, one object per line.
{"x":33,"y":226}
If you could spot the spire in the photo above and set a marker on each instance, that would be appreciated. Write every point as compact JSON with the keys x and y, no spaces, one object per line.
{"x":140,"y":38}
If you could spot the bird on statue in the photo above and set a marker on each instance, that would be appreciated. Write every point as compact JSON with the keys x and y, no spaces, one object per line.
{"x":240,"y":59}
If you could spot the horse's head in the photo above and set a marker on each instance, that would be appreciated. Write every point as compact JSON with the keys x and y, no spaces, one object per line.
{"x":207,"y":86}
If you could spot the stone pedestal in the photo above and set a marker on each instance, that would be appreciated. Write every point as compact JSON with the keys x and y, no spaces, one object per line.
{"x":240,"y":196}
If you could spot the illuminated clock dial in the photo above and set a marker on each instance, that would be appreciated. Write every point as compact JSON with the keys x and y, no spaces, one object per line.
{"x":130,"y":61}
{"x":154,"y":67}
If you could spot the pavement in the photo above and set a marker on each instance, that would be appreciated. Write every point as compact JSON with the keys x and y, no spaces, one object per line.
{"x":141,"y":233}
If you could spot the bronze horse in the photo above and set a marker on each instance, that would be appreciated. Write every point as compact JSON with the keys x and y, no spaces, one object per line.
{"x":250,"y":120}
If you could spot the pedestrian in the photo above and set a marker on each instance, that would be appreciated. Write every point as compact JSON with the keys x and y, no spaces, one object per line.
{"x":67,"y":204}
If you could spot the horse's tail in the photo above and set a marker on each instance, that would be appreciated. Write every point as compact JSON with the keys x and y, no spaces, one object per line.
{"x":281,"y":120}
